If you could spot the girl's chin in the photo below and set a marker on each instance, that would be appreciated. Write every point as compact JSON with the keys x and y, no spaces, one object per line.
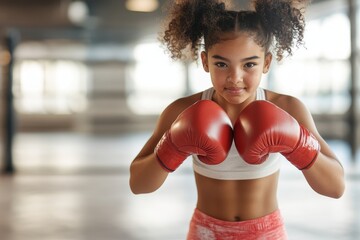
{"x":236,"y":100}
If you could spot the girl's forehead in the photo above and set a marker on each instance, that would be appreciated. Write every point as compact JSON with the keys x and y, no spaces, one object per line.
{"x":237,"y":41}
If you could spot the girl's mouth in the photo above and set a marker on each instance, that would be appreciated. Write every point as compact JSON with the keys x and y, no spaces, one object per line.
{"x":235,"y":90}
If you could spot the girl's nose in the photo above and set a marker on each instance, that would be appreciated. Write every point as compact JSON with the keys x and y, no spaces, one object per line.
{"x":235,"y":76}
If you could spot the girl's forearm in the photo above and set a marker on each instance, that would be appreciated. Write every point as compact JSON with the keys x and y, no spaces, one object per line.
{"x":326,"y":177}
{"x":146,"y":175}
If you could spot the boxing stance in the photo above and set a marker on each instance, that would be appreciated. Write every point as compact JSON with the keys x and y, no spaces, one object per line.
{"x":237,"y":133}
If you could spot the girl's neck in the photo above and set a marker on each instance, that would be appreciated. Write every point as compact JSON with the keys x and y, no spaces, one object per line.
{"x":233,"y":110}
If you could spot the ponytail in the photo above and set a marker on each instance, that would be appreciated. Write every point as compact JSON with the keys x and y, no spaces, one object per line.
{"x":188,"y":24}
{"x":284,"y":22}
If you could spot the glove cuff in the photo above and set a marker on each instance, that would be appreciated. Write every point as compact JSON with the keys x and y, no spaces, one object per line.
{"x":167,"y":154}
{"x":306,"y":151}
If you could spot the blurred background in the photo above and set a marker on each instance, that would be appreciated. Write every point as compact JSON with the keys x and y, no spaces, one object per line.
{"x":81,"y":86}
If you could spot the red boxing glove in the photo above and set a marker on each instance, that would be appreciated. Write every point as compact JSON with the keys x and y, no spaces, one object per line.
{"x":203,"y":129}
{"x":264,"y":128}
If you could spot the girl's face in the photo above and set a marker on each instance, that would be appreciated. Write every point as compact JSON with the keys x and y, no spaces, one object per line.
{"x":236,"y":66}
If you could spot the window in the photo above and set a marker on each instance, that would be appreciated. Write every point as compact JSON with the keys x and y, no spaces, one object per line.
{"x":320,"y":73}
{"x":154,"y":80}
{"x":50,"y":87}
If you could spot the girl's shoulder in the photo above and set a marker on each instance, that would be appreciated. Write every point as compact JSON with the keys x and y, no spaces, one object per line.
{"x":167,"y":117}
{"x":293,"y":105}
{"x":172,"y":111}
{"x":281,"y":100}
{"x":179,"y":105}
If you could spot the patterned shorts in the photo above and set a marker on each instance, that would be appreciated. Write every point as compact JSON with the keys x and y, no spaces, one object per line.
{"x":204,"y":227}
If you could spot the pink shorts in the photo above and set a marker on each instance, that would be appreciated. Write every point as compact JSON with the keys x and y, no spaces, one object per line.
{"x":204,"y":227}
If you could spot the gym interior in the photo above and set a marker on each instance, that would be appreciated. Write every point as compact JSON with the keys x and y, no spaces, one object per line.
{"x":82,"y":85}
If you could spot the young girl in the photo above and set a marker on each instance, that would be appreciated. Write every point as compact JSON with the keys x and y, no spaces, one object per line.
{"x":236,"y":130}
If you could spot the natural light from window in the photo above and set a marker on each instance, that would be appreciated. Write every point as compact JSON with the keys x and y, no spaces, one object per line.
{"x":50,"y":87}
{"x":155,"y":80}
{"x":319,"y":74}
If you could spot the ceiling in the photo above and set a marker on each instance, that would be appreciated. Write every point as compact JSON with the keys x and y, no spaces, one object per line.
{"x":107,"y":21}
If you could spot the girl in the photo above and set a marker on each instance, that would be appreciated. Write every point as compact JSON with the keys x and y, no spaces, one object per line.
{"x":236,"y":130}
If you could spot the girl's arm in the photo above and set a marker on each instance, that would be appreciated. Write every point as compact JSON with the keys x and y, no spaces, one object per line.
{"x":326,"y":176}
{"x":146,"y":174}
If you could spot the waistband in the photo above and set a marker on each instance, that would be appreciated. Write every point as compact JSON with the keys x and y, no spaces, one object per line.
{"x":267,"y":222}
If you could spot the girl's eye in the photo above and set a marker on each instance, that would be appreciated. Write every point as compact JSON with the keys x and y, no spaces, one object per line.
{"x":220,"y":64}
{"x":250,"y":65}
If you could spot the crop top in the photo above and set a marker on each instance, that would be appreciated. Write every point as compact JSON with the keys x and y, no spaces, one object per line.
{"x":234,"y":167}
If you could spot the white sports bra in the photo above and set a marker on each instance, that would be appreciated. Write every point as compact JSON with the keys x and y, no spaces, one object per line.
{"x":234,"y":167}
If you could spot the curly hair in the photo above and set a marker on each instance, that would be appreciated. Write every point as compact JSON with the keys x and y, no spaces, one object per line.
{"x":275,"y":24}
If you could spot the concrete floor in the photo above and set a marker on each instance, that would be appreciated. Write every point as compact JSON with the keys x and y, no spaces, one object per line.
{"x":75,"y":187}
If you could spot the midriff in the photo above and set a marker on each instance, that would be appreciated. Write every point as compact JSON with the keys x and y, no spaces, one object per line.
{"x":237,"y":200}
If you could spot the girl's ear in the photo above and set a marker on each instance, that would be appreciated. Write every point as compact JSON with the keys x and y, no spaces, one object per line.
{"x":204,"y":61}
{"x":268,"y":59}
